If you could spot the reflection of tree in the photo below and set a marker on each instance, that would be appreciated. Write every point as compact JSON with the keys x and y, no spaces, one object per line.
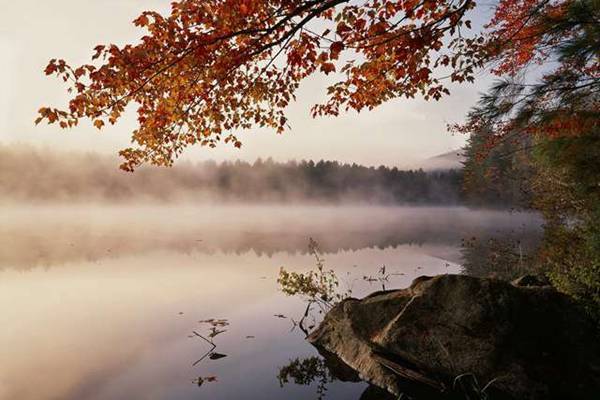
{"x":503,"y":257}
{"x":306,"y":372}
{"x":45,"y":241}
{"x":324,"y":370}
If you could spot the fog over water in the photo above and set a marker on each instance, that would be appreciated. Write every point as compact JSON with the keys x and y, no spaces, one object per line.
{"x":101,"y":291}
{"x":35,"y":236}
{"x":41,"y":176}
{"x":100,"y":302}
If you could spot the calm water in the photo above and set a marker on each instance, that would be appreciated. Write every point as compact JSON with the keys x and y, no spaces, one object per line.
{"x":101,"y":303}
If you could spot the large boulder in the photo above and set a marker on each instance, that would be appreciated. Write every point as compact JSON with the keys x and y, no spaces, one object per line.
{"x":529,"y":341}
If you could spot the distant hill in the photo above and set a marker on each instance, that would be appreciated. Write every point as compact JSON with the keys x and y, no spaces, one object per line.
{"x":450,"y":160}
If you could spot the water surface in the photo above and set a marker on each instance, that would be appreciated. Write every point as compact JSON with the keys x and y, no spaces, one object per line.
{"x":102,"y":303}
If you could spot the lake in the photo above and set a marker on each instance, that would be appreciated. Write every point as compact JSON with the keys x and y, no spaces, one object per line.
{"x":101,"y":303}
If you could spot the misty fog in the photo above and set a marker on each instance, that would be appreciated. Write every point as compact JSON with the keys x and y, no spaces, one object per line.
{"x":64,"y":207}
{"x":39,"y":176}
{"x":47,"y":236}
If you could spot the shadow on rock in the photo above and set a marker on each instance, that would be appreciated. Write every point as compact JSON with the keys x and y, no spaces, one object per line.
{"x":455,"y":336}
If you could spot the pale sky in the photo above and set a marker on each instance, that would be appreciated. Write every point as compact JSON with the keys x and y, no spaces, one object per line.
{"x":400,"y":133}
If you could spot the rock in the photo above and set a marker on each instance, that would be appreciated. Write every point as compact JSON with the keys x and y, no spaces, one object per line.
{"x":531,"y":342}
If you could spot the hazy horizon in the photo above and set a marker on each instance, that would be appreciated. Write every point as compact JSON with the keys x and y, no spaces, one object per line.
{"x":37,"y":175}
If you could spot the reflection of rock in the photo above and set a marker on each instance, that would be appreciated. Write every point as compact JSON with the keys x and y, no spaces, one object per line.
{"x":337,"y":368}
{"x":376,"y":393}
{"x":532,"y":340}
{"x":342,"y":372}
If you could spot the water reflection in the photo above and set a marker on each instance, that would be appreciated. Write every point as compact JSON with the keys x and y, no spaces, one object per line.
{"x":46,"y":237}
{"x":507,"y":256}
{"x":112,"y":322}
{"x":215,"y":328}
{"x":321,"y":371}
{"x":307,"y":371}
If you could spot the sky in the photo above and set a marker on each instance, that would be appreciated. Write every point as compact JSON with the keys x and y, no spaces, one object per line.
{"x":399,"y":133}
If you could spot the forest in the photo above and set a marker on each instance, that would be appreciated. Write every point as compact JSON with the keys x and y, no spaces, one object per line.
{"x":31,"y":175}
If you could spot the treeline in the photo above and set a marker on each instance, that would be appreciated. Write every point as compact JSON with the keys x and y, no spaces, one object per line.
{"x":28,"y":174}
{"x":558,"y":177}
{"x":499,"y":175}
{"x":332,"y":181}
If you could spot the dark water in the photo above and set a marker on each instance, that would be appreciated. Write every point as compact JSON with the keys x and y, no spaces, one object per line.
{"x":102,"y":303}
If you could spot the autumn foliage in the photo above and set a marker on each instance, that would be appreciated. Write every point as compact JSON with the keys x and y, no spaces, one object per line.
{"x":214,"y":67}
{"x":547,"y":54}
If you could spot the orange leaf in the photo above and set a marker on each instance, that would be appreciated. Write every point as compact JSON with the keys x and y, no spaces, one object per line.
{"x":335,"y":49}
